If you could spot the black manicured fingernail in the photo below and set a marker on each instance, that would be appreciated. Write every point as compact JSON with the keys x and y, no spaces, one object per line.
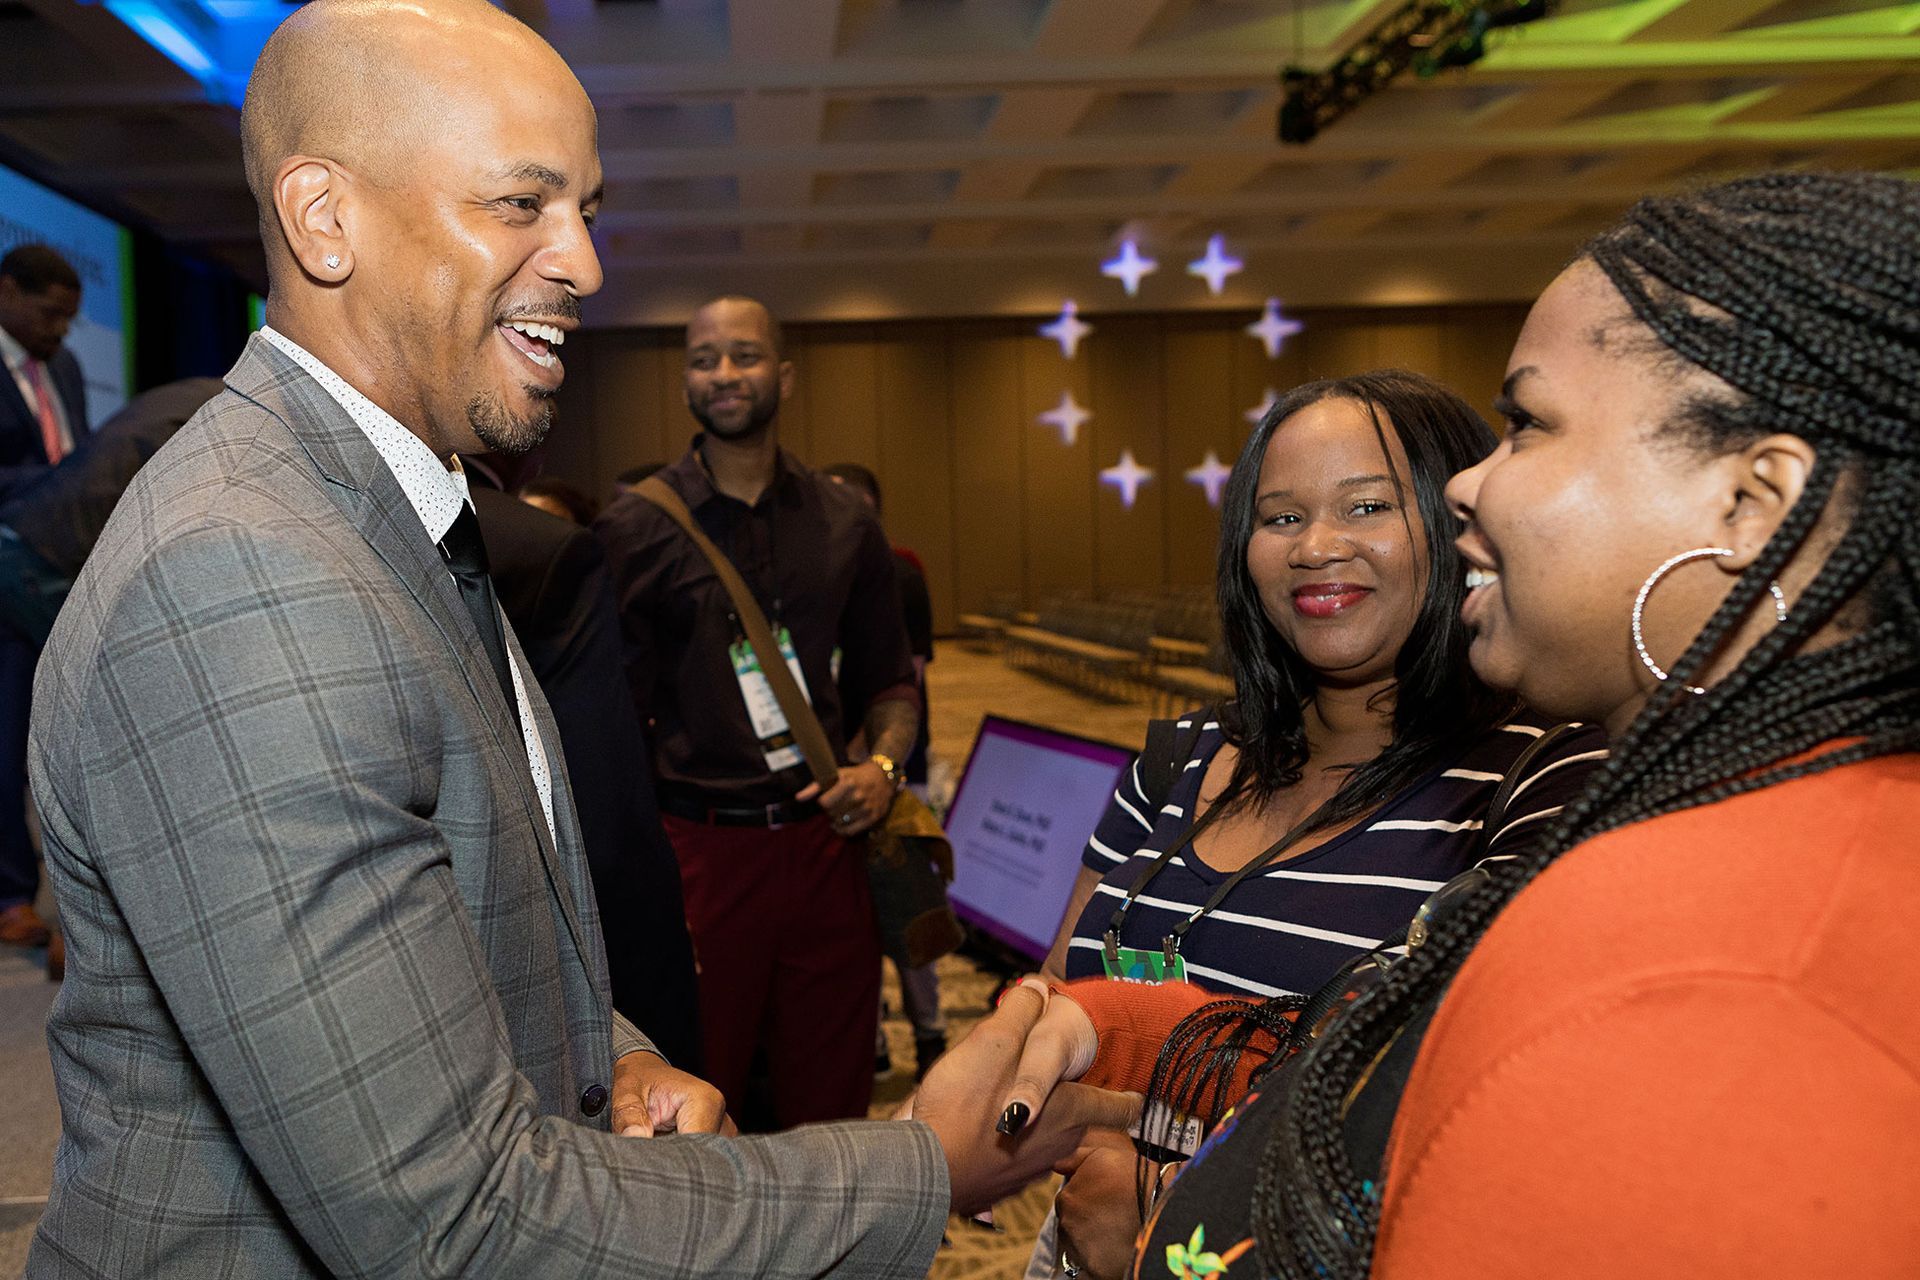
{"x":1013,"y":1119}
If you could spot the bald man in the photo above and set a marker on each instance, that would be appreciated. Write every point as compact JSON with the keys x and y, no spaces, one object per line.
{"x":337,"y":999}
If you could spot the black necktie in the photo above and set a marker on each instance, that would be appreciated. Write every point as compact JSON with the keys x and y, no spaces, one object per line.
{"x":466,"y":555}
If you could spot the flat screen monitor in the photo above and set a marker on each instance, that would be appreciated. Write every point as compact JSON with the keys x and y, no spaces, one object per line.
{"x":99,"y":250}
{"x":1025,"y":806}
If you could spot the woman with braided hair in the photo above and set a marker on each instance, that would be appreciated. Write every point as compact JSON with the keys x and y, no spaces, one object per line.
{"x":1678,"y":1037}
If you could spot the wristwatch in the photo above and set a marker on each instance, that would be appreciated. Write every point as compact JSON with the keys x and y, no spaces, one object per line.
{"x":895,"y":777}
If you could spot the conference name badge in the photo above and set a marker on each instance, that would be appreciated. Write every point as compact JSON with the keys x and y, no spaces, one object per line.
{"x":770,"y":725}
{"x":1133,"y":964}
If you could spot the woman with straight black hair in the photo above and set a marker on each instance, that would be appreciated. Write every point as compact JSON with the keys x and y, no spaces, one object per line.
{"x":1677,"y":1038}
{"x":1347,"y":777}
{"x":1351,"y":773}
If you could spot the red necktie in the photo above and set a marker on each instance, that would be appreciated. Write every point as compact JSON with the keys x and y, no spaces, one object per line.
{"x":49,"y":419}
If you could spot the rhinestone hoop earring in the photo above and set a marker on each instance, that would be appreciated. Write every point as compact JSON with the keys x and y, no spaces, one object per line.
{"x":1646,"y":589}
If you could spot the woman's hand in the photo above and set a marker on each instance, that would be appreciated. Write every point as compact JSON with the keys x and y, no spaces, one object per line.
{"x":1061,"y":1046}
{"x":965,"y":1097}
{"x":1099,"y":1208}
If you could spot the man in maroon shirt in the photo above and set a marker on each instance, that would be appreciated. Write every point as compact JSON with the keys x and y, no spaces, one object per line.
{"x":773,"y":868}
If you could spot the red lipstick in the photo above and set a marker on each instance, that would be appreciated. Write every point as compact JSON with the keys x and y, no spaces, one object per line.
{"x":1326,"y":599}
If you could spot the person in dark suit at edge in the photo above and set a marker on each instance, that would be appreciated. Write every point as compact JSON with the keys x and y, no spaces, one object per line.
{"x":43,"y":398}
{"x":47,"y":531}
{"x":551,"y":577}
{"x":43,"y":411}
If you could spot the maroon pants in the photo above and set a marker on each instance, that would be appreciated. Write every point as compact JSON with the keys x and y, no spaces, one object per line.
{"x":782,"y":924}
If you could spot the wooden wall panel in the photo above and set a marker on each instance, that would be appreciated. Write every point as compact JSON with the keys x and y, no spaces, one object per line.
{"x":946,"y":413}
{"x":988,"y":453}
{"x":572,"y":447}
{"x":840,"y":382}
{"x":1413,"y":345}
{"x":1202,"y":414}
{"x":1340,"y":347}
{"x":1255,"y":375}
{"x":1475,"y":348}
{"x":1129,"y":544}
{"x":916,"y":453}
{"x":1060,"y":477}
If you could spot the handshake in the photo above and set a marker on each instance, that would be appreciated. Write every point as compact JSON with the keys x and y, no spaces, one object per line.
{"x":1007,"y":1109}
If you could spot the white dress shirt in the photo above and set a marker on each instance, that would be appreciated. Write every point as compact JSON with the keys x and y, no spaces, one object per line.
{"x":437,"y":495}
{"x":16,"y":359}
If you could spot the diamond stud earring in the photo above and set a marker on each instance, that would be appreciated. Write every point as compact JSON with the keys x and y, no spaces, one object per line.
{"x":333,"y":262}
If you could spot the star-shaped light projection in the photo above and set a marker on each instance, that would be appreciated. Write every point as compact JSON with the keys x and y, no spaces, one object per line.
{"x":1215,"y":265}
{"x":1211,"y":475}
{"x":1259,"y":412}
{"x":1126,"y":476}
{"x":1067,"y":416}
{"x":1068,"y":329}
{"x":1129,"y":266}
{"x":1273,"y":329}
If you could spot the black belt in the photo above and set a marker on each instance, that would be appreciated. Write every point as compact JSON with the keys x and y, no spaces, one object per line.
{"x":695,"y":809}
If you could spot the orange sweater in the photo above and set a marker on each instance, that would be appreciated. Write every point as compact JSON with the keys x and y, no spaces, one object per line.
{"x":1690,"y":1049}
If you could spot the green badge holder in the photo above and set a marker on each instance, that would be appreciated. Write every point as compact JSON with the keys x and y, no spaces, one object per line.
{"x":1134,"y":964}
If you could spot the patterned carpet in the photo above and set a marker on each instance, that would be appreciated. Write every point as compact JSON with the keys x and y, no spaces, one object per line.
{"x":963,"y":686}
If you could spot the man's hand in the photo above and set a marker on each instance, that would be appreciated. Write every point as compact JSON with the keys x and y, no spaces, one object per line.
{"x":1099,"y":1206}
{"x":650,"y":1097}
{"x":860,"y":799}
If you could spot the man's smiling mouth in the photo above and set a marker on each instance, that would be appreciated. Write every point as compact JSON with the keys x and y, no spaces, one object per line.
{"x":534,"y":340}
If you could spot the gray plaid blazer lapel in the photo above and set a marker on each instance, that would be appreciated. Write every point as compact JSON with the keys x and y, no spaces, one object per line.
{"x":369,"y":496}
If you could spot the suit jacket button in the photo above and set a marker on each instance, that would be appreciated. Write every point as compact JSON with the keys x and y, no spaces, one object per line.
{"x":593,"y":1099}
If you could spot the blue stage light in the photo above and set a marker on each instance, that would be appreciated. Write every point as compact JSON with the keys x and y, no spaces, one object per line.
{"x":214,"y":41}
{"x":164,"y":33}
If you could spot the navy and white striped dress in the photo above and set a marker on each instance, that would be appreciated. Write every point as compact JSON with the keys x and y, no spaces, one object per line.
{"x":1290,"y":927}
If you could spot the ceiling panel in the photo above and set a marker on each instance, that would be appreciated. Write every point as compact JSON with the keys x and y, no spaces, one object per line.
{"x":991,"y":153}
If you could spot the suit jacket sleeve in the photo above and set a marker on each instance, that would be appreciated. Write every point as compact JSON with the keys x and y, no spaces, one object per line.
{"x":298,"y":913}
{"x":628,"y":1038}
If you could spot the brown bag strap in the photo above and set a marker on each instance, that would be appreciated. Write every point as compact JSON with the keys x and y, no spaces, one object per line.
{"x":807,"y":730}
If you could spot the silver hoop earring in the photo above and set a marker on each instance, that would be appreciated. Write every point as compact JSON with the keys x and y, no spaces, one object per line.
{"x":333,"y":262}
{"x":1646,"y":589}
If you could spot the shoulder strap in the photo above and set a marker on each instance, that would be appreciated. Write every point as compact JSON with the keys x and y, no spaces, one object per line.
{"x":1516,"y":774}
{"x":1168,"y":748}
{"x":807,"y":731}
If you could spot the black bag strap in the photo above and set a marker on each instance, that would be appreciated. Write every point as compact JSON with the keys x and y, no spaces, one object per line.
{"x":1518,"y":773}
{"x":806,"y":727}
{"x":1334,"y":990}
{"x":1169,"y":747}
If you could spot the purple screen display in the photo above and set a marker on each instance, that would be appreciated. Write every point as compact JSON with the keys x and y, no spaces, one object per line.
{"x":1025,"y":806}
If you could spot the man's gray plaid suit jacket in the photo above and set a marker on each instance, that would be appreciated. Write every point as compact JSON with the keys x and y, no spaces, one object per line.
{"x":333,"y":998}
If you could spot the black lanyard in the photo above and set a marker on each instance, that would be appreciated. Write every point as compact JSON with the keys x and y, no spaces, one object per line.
{"x":1170,"y":945}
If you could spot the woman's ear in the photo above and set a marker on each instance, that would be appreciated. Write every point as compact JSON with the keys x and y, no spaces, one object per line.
{"x":1769,"y":476}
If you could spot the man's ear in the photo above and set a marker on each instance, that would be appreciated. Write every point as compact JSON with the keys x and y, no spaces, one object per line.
{"x":1768,"y":477}
{"x":311,"y":198}
{"x":786,"y":379}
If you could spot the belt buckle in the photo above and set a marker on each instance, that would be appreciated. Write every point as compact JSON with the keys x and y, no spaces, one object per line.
{"x":773,"y":816}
